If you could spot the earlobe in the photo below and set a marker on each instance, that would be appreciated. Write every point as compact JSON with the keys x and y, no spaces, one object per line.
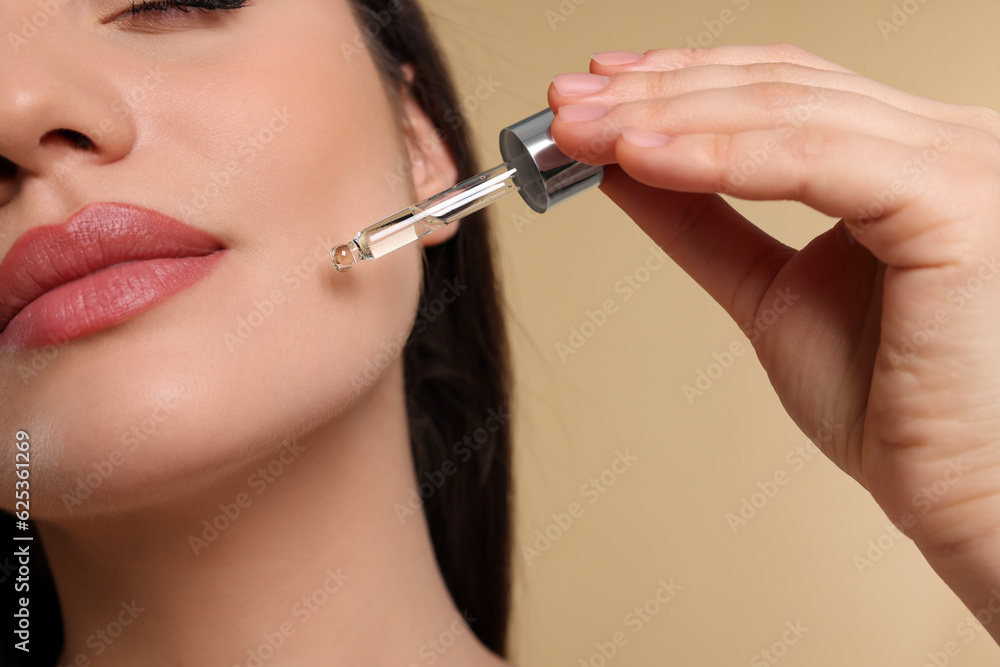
{"x":432,"y":167}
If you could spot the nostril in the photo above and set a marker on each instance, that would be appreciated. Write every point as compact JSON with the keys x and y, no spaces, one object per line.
{"x":7,"y":168}
{"x":78,"y":139}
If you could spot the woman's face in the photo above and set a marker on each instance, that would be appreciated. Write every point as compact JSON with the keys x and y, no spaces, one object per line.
{"x":265,"y":127}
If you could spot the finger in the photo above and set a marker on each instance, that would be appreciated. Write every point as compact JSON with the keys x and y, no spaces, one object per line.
{"x":679,"y":58}
{"x":587,"y":132}
{"x":636,"y":86}
{"x":632,"y":86}
{"x":733,"y":260}
{"x":784,"y":62}
{"x":862,"y":179}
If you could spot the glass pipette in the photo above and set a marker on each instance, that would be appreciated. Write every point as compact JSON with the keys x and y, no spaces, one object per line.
{"x":533,"y":166}
{"x":415,"y":221}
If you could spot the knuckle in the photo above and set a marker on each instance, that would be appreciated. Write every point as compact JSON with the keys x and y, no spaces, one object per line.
{"x":808,"y":144}
{"x":691,"y":57}
{"x":722,"y":151}
{"x":658,"y":84}
{"x":768,"y":71}
{"x":775,"y":97}
{"x":666,"y":60}
{"x":795,"y":74}
{"x":786,"y":52}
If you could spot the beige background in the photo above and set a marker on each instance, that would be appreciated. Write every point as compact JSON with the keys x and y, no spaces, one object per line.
{"x":665,"y":517}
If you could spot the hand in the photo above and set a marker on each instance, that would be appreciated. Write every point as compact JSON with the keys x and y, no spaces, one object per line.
{"x":886,"y":326}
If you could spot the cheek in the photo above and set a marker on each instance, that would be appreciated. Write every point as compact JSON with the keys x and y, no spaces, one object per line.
{"x":295,"y":341}
{"x":338,"y":166}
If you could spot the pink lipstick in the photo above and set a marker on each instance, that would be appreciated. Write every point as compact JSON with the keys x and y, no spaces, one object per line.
{"x":105,"y":265}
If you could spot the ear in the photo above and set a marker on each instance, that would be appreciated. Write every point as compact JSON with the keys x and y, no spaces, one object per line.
{"x":432,"y":166}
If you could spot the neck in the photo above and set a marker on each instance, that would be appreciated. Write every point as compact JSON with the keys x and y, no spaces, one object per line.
{"x":300,"y":559}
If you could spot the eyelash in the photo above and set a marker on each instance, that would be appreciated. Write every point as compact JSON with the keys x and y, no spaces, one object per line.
{"x":162,"y":6}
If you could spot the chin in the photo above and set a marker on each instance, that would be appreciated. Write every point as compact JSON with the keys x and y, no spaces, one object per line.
{"x":112,"y":432}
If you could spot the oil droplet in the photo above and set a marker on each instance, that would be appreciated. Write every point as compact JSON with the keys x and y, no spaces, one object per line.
{"x":343,"y":258}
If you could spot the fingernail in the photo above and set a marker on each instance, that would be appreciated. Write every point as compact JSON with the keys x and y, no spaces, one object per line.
{"x":615,"y":57}
{"x":579,"y":113}
{"x":643,"y":138}
{"x":579,"y":84}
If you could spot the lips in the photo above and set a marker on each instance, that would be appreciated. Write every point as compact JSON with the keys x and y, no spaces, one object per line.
{"x":103,"y":266}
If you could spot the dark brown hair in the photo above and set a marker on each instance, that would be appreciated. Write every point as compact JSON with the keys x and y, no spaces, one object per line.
{"x":457,"y":376}
{"x":457,"y":368}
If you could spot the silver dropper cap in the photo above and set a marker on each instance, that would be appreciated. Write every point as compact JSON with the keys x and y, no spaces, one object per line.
{"x":545,"y":175}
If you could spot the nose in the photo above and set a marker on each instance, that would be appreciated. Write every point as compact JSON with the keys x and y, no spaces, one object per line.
{"x":59,"y":109}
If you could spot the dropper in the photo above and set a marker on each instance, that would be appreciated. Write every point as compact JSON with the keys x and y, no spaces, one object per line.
{"x":533,"y":166}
